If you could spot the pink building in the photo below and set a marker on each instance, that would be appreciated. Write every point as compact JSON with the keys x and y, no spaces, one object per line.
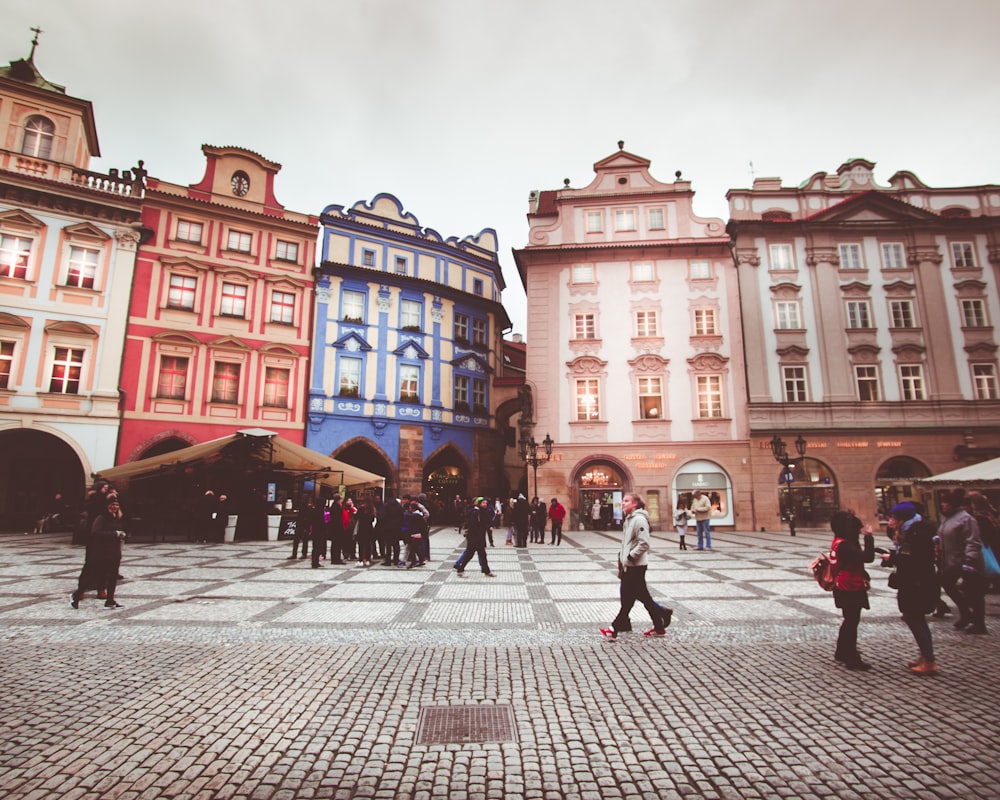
{"x":636,"y":363}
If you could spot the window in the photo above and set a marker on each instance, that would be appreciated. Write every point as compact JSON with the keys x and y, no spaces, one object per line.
{"x":787,"y":313}
{"x":479,"y":332}
{"x":189,"y":231}
{"x":276,"y":382}
{"x":287,"y":251}
{"x":239,"y":241}
{"x":595,"y":221}
{"x":462,"y":393}
{"x":181,"y":292}
{"x":781,"y":256}
{"x":850,"y":256}
{"x":14,"y":254}
{"x":794,"y":379}
{"x":963,"y":254}
{"x":642,"y":272}
{"x":462,"y":327}
{"x":974,"y":314}
{"x":477,"y":286}
{"x":352,"y":306}
{"x":583,"y":273}
{"x":588,"y":399}
{"x":400,"y":265}
{"x":645,"y":323}
{"x":911,"y":379}
{"x":368,"y":258}
{"x":893,"y":256}
{"x":866,"y":379}
{"x":650,"y":397}
{"x":234,"y":300}
{"x":479,"y":396}
{"x":584,"y":326}
{"x":67,"y":367}
{"x":172,"y":381}
{"x":350,"y":377}
{"x":984,"y":378}
{"x":858,"y":314}
{"x":409,"y":315}
{"x":39,"y":134}
{"x":409,"y":382}
{"x":901,"y":313}
{"x":6,"y":363}
{"x":283,"y":308}
{"x":624,"y":219}
{"x":709,"y":396}
{"x":704,"y":322}
{"x":82,"y":267}
{"x":655,"y":219}
{"x":226,"y":383}
{"x":700,"y":270}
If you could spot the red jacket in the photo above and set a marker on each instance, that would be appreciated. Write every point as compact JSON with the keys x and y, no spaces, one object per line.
{"x":557,"y":513}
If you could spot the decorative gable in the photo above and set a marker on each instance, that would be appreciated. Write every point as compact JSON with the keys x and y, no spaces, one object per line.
{"x":471,"y":363}
{"x":352,"y":343}
{"x":410,"y":349}
{"x":872,"y":207}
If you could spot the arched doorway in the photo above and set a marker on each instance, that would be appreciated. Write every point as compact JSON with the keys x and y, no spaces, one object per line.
{"x":710,"y":479}
{"x":444,"y":477}
{"x":894,"y":483}
{"x":34,"y":467}
{"x":361,"y":453}
{"x":599,"y":486}
{"x":814,"y":496}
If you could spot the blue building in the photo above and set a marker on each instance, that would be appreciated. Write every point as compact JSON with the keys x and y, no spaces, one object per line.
{"x":407,"y":342}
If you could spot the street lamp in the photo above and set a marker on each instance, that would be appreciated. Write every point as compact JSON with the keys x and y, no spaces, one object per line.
{"x":528,"y":450}
{"x":780,"y":452}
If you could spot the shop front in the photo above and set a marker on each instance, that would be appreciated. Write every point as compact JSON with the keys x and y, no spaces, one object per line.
{"x":599,"y":489}
{"x":813,"y":495}
{"x":709,"y":478}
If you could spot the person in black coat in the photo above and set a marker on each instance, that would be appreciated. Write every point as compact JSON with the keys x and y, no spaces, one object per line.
{"x":103,"y":556}
{"x":389,"y":529}
{"x":479,"y":521}
{"x":851,"y":582}
{"x":521,"y":514}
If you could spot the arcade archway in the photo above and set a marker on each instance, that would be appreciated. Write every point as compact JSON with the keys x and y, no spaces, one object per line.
{"x":34,"y":467}
{"x":894,"y":483}
{"x":445,"y":475}
{"x":361,"y":453}
{"x":814,"y":496}
{"x":599,"y":486}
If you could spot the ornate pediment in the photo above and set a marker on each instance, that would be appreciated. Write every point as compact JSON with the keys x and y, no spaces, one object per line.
{"x":872,"y":206}
{"x":410,"y":349}
{"x":352,"y":343}
{"x":471,"y":363}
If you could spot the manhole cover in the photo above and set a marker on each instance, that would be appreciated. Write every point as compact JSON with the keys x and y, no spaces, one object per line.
{"x":442,"y":724}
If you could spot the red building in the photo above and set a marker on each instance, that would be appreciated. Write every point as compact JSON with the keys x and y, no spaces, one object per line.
{"x":218,"y":335}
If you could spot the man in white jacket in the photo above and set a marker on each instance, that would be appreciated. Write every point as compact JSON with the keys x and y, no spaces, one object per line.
{"x":632,"y":570}
{"x":701,"y":505}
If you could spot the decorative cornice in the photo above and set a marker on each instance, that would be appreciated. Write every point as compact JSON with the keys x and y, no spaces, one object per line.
{"x":747,"y":255}
{"x":918,"y":254}
{"x":822,"y":255}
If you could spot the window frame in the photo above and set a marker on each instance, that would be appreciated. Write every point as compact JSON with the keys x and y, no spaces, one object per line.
{"x":409,"y":384}
{"x":582,"y":274}
{"x":367,"y":257}
{"x":654,"y":226}
{"x":411,"y":314}
{"x":783,"y":319}
{"x":277,"y":387}
{"x":973,"y":311}
{"x":912,"y":382}
{"x":350,"y":372}
{"x":285,"y":303}
{"x":625,"y":220}
{"x":888,"y":262}
{"x":188,"y":226}
{"x":181,"y":291}
{"x":584,"y":322}
{"x":84,"y":270}
{"x":901,"y":314}
{"x":460,"y":392}
{"x":71,"y":367}
{"x":352,"y":300}
{"x":233,"y":299}
{"x":649,"y":390}
{"x":171,"y":382}
{"x":291,"y":251}
{"x":856,"y":310}
{"x":400,"y":265}
{"x":643,"y":272}
{"x":794,"y":383}
{"x":966,"y":259}
{"x":589,"y":219}
{"x":8,"y":352}
{"x":706,"y":321}
{"x":38,"y":142}
{"x":870,"y":381}
{"x":237,"y":246}
{"x":781,"y":264}
{"x":587,"y":399}
{"x":700,"y":269}
{"x":709,"y":389}
{"x":20,"y":259}
{"x":851,"y":255}
{"x":223,"y":377}
{"x":647,"y":323}
{"x":984,"y":381}
{"x":480,"y":332}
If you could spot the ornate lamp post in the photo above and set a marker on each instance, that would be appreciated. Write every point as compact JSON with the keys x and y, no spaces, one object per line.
{"x":780,"y":452}
{"x":528,"y":450}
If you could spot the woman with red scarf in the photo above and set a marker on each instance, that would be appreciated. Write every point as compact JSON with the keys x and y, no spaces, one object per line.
{"x":851,"y":582}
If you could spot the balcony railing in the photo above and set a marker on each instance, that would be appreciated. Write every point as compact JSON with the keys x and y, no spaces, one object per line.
{"x":125,"y":183}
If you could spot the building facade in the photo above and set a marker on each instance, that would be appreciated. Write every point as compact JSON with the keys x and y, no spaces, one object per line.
{"x":634,"y":347}
{"x":408,"y":333}
{"x":221,"y":311}
{"x":869,"y":316}
{"x":68,"y":240}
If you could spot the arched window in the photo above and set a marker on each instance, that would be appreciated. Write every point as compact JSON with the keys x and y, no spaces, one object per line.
{"x":38,"y":136}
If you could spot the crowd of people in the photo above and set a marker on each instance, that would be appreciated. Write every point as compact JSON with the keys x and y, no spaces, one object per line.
{"x":927,"y":559}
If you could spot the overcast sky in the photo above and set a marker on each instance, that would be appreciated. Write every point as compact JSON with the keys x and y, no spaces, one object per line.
{"x":460,"y":108}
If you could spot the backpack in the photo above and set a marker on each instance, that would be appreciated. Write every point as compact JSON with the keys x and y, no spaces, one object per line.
{"x":821,"y":568}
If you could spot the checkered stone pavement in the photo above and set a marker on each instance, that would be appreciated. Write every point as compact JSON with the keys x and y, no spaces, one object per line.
{"x":234,"y":672}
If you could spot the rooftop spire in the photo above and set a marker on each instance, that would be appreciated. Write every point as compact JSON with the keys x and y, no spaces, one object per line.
{"x":34,"y":42}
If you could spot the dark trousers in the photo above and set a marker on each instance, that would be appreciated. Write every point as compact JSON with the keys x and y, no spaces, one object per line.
{"x":521,"y":534}
{"x":968,"y":591}
{"x":477,"y":549}
{"x":633,"y":589}
{"x":847,"y":638}
{"x":302,"y":535}
{"x":556,"y":532}
{"x":319,"y":547}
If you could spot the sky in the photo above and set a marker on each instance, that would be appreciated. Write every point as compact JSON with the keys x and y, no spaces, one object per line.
{"x":461,"y":108}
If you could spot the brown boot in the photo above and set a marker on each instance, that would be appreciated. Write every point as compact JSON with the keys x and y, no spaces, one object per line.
{"x":915,"y":663}
{"x":927,"y":668}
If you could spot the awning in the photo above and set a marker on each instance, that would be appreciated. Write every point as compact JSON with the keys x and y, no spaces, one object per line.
{"x":986,"y":473}
{"x":256,"y":444}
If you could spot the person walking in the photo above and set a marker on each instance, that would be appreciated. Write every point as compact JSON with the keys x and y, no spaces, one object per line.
{"x":478,"y":523}
{"x":850,"y":582}
{"x":557,"y":513}
{"x":701,"y":506}
{"x":103,"y":556}
{"x":914,"y":580}
{"x":681,"y":519}
{"x":963,"y":572}
{"x":303,"y":530}
{"x":521,"y":515}
{"x":539,"y":514}
{"x":632,"y":564}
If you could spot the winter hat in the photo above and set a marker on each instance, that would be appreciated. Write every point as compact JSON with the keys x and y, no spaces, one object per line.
{"x":903,"y":511}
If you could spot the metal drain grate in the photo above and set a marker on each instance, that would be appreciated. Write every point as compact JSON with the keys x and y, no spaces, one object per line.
{"x":442,"y":724}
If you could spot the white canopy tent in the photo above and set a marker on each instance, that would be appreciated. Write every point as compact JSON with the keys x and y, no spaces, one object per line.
{"x":985,"y":474}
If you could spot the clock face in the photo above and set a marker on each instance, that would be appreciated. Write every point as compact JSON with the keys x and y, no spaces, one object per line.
{"x":240,"y":183}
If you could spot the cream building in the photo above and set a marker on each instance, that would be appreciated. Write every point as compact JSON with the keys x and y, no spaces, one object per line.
{"x":634,"y":347}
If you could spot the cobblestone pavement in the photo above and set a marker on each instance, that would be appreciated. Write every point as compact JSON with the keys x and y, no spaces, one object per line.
{"x":233,"y":672}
